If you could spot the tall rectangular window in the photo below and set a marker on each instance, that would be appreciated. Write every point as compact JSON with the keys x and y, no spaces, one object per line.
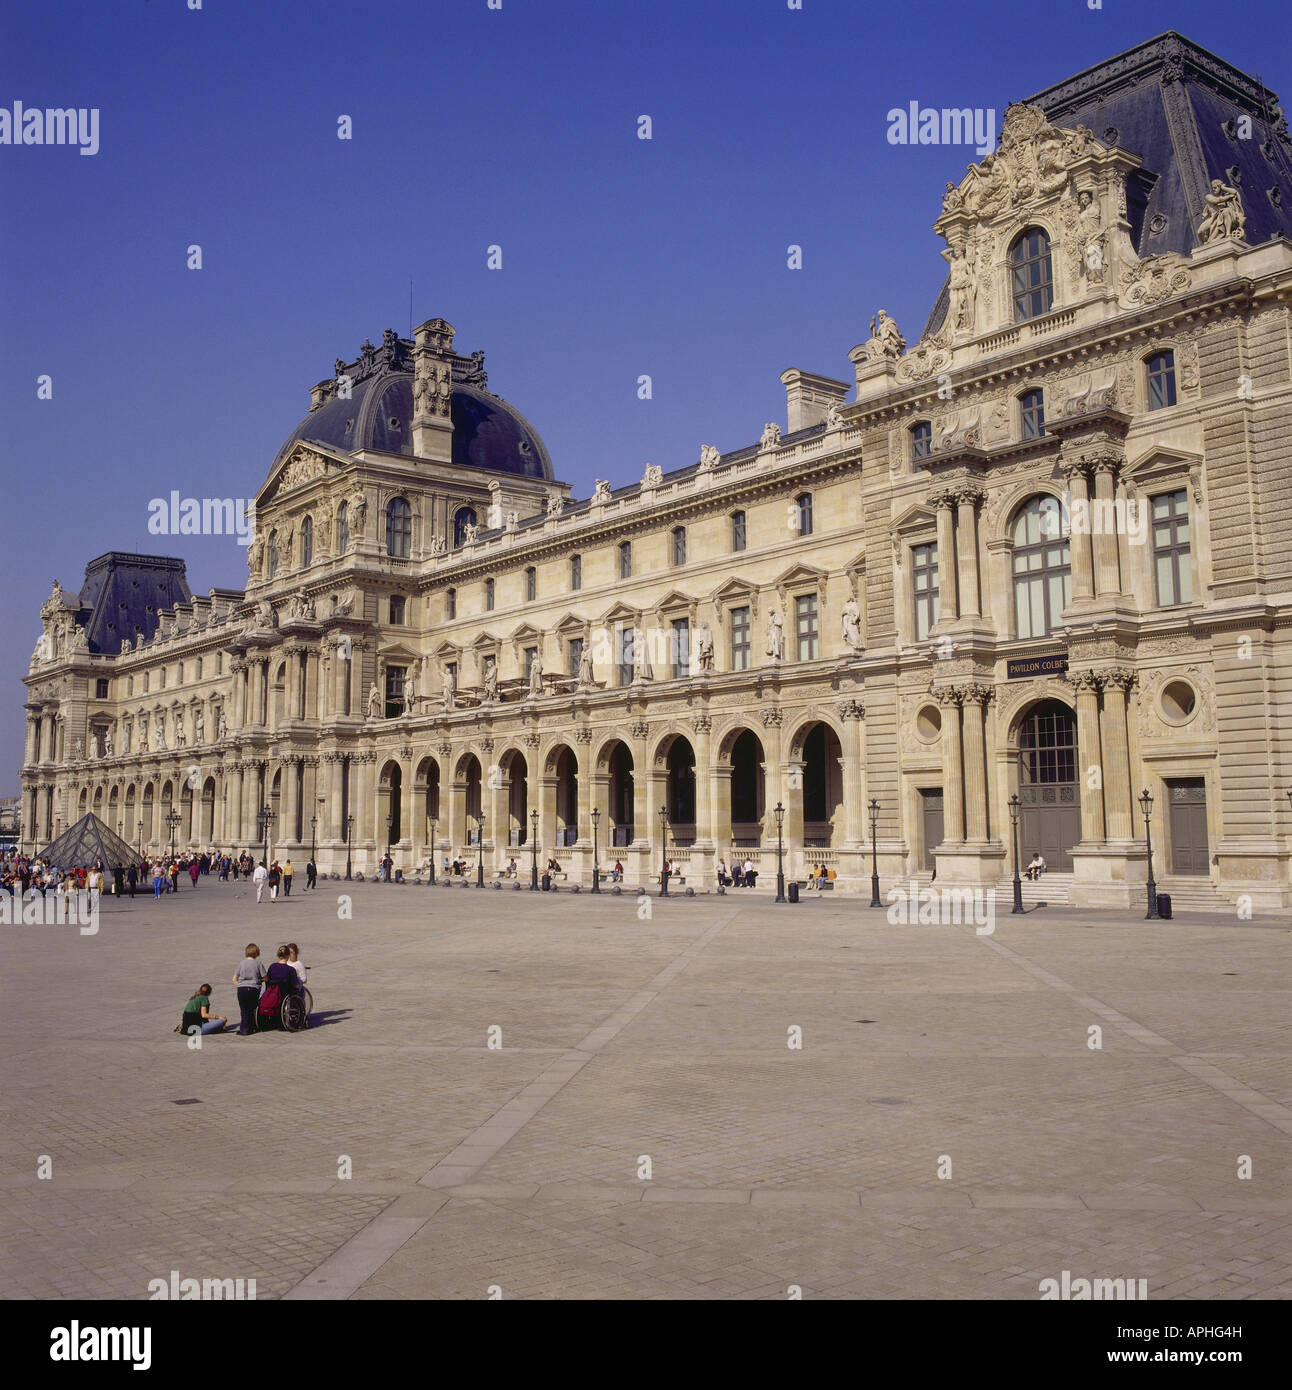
{"x":740,"y":639}
{"x":1172,"y":551}
{"x":397,"y":610}
{"x":451,"y":604}
{"x":625,"y":559}
{"x":739,"y":538}
{"x":101,"y":688}
{"x":805,"y":626}
{"x":624,"y":655}
{"x":576,"y":571}
{"x":681,"y":647}
{"x":576,"y":655}
{"x":489,"y":595}
{"x":1033,"y":412}
{"x":924,"y":586}
{"x":804,"y":504}
{"x":531,"y":654}
{"x":395,"y":676}
{"x":531,"y":584}
{"x":679,"y":545}
{"x":921,"y":442}
{"x":1161,"y":380}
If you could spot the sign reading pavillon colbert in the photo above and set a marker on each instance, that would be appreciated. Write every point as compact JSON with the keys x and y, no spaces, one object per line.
{"x":1023,"y":666}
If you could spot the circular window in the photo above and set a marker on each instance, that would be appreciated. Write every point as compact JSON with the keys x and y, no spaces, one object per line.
{"x":928,"y":723}
{"x":1178,"y":702}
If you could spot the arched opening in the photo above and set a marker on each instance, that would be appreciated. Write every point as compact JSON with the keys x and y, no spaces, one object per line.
{"x":98,"y":802}
{"x":620,"y":794}
{"x":389,"y":803}
{"x":1042,"y":566}
{"x":114,"y":810}
{"x":565,"y":768}
{"x":679,"y":790}
{"x":516,"y":772}
{"x":747,"y":792}
{"x":83,"y":805}
{"x":130,"y":825}
{"x":822,"y":787}
{"x":399,"y":528}
{"x":280,"y":694}
{"x":206,"y":832}
{"x":1050,"y":818}
{"x":462,"y":518}
{"x":469,"y":787}
{"x":186,"y":830}
{"x":147,"y":813}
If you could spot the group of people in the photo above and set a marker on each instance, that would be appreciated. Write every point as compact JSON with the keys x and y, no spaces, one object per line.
{"x":251,"y":978}
{"x":739,"y":875}
{"x":817,"y":878}
{"x":21,"y":874}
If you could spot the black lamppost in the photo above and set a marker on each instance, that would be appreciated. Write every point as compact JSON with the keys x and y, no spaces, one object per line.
{"x":779,"y":812}
{"x":390,"y":825}
{"x":480,"y":846}
{"x":1146,"y":806}
{"x":314,"y":824}
{"x":874,"y":853}
{"x":349,"y":822}
{"x":266,"y":818}
{"x":1015,"y":810}
{"x":430,"y":849}
{"x":663,"y":871}
{"x":141,"y":836}
{"x":533,"y":846}
{"x":596,"y":873}
{"x":174,"y":820}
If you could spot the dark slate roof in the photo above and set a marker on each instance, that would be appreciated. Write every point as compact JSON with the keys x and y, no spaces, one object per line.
{"x":89,"y":839}
{"x":124,"y":594}
{"x":1178,"y":107}
{"x":488,"y":433}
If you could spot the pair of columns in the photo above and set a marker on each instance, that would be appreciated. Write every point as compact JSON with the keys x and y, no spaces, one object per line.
{"x":1103,"y":745}
{"x":1096,"y":569}
{"x":959,"y":587}
{"x":964,"y":763}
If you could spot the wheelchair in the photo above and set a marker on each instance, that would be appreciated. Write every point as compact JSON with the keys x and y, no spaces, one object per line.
{"x":288,"y":1012}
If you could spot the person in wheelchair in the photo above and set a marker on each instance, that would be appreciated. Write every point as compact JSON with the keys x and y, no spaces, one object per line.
{"x":285,"y":1006}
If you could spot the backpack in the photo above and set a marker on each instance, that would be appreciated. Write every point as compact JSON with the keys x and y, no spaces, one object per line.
{"x":270,"y":1000}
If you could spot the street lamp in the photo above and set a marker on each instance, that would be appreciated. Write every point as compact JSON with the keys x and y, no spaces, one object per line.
{"x":141,"y":835}
{"x":533,"y":845}
{"x":874,"y":853}
{"x":430,"y":854}
{"x":349,"y":821}
{"x":480,"y":847}
{"x":663,"y":872}
{"x":1015,"y":810}
{"x":779,"y":813}
{"x":267,"y":817}
{"x":390,"y":825}
{"x":314,"y":822}
{"x":1146,"y":806}
{"x":596,"y":875}
{"x":174,"y":820}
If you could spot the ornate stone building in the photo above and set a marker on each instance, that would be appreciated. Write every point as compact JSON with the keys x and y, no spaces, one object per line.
{"x":1040,"y":552}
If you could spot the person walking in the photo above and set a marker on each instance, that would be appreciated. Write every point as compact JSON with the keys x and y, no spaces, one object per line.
{"x":260,"y":878}
{"x":193,"y":870}
{"x":275,"y":876}
{"x":159,"y":874}
{"x":118,"y":882}
{"x":174,"y":875}
{"x":311,"y":874}
{"x":288,"y":874}
{"x":248,"y":977}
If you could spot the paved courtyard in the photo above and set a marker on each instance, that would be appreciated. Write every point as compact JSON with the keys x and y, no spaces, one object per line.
{"x":520,"y":1167}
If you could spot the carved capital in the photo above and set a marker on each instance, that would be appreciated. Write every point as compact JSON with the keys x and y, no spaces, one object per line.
{"x":1085,"y":682}
{"x":948,"y":696}
{"x":976,"y":694}
{"x":532,"y":739}
{"x":583,"y":735}
{"x":852,"y":709}
{"x":771,"y":719}
{"x":702,"y":723}
{"x":1118,"y":678}
{"x":639,"y":728}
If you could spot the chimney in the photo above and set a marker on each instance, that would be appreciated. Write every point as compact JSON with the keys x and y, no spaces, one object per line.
{"x":809,"y":397}
{"x":433,"y":391}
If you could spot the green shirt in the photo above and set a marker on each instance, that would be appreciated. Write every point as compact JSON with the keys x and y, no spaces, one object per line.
{"x":193,"y":1010}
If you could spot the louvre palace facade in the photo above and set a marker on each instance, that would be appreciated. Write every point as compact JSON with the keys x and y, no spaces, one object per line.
{"x":1040,"y":551}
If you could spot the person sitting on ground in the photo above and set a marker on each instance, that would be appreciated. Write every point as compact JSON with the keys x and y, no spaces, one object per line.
{"x":1037,"y":867}
{"x":198,"y":1017}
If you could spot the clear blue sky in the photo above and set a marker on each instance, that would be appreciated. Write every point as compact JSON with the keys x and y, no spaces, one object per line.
{"x":471,"y":127}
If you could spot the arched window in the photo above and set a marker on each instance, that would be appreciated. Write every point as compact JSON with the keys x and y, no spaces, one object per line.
{"x":1042,"y":566}
{"x":921,"y":441}
{"x":399,"y":528}
{"x":307,"y":541}
{"x":804,"y":503}
{"x":462,"y":518}
{"x":1031,"y":276}
{"x":343,"y":528}
{"x":271,"y":555}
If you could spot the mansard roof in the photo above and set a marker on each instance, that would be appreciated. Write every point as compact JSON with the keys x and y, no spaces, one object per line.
{"x":126,"y":593}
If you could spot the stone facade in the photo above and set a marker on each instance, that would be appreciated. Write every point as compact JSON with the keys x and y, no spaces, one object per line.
{"x":1114,"y":602}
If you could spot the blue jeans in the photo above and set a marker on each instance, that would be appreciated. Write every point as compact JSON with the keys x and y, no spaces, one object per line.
{"x":157,"y":887}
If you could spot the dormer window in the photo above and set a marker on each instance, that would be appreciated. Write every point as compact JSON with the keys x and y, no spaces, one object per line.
{"x":1031,"y":275}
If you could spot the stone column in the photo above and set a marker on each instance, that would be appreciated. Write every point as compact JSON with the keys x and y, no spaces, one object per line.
{"x":1107,"y":579}
{"x":233,"y":804}
{"x":643,"y":831}
{"x":291,"y":802}
{"x":311,"y":660}
{"x":1086,"y":685}
{"x":703,"y":783}
{"x":773,"y":775}
{"x":977,"y":803}
{"x":967,"y":500}
{"x":854,"y":795}
{"x":953,"y":805}
{"x":336,"y":784}
{"x":948,"y":599}
{"x":250,"y":802}
{"x":1079,"y":543}
{"x":364,"y":811}
{"x":1116,"y":749}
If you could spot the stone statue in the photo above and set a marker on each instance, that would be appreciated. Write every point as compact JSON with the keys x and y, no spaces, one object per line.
{"x":951,"y":199}
{"x":513,"y":520}
{"x":358,"y":513}
{"x":374,"y":702}
{"x":704,"y":647}
{"x":536,"y":675}
{"x":107,"y":744}
{"x":851,"y":621}
{"x":181,"y":739}
{"x":1223,"y":215}
{"x":585,"y":679}
{"x":159,"y":735}
{"x":408,"y":696}
{"x":490,"y":680}
{"x":775,"y":636}
{"x":771,"y":435}
{"x":960,"y":314}
{"x":555,"y":504}
{"x":709,"y":457}
{"x":470,"y":532}
{"x":265,"y":613}
{"x":1091,"y":233}
{"x":78,"y":750}
{"x":450,"y":689}
{"x":601,"y":493}
{"x":885,"y":339}
{"x":199,"y":726}
{"x":222,"y":727}
{"x":80,"y":638}
{"x":255,"y":554}
{"x":653,"y":476}
{"x":834,"y":416}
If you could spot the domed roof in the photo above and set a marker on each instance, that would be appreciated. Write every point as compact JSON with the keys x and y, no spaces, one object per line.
{"x":488,"y":433}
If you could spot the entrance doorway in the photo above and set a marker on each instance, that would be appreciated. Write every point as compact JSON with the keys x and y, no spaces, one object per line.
{"x":1187,"y":797}
{"x":931,"y":807}
{"x":1050,"y":820}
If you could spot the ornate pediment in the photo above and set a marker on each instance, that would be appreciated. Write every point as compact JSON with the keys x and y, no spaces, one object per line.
{"x":302,"y":465}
